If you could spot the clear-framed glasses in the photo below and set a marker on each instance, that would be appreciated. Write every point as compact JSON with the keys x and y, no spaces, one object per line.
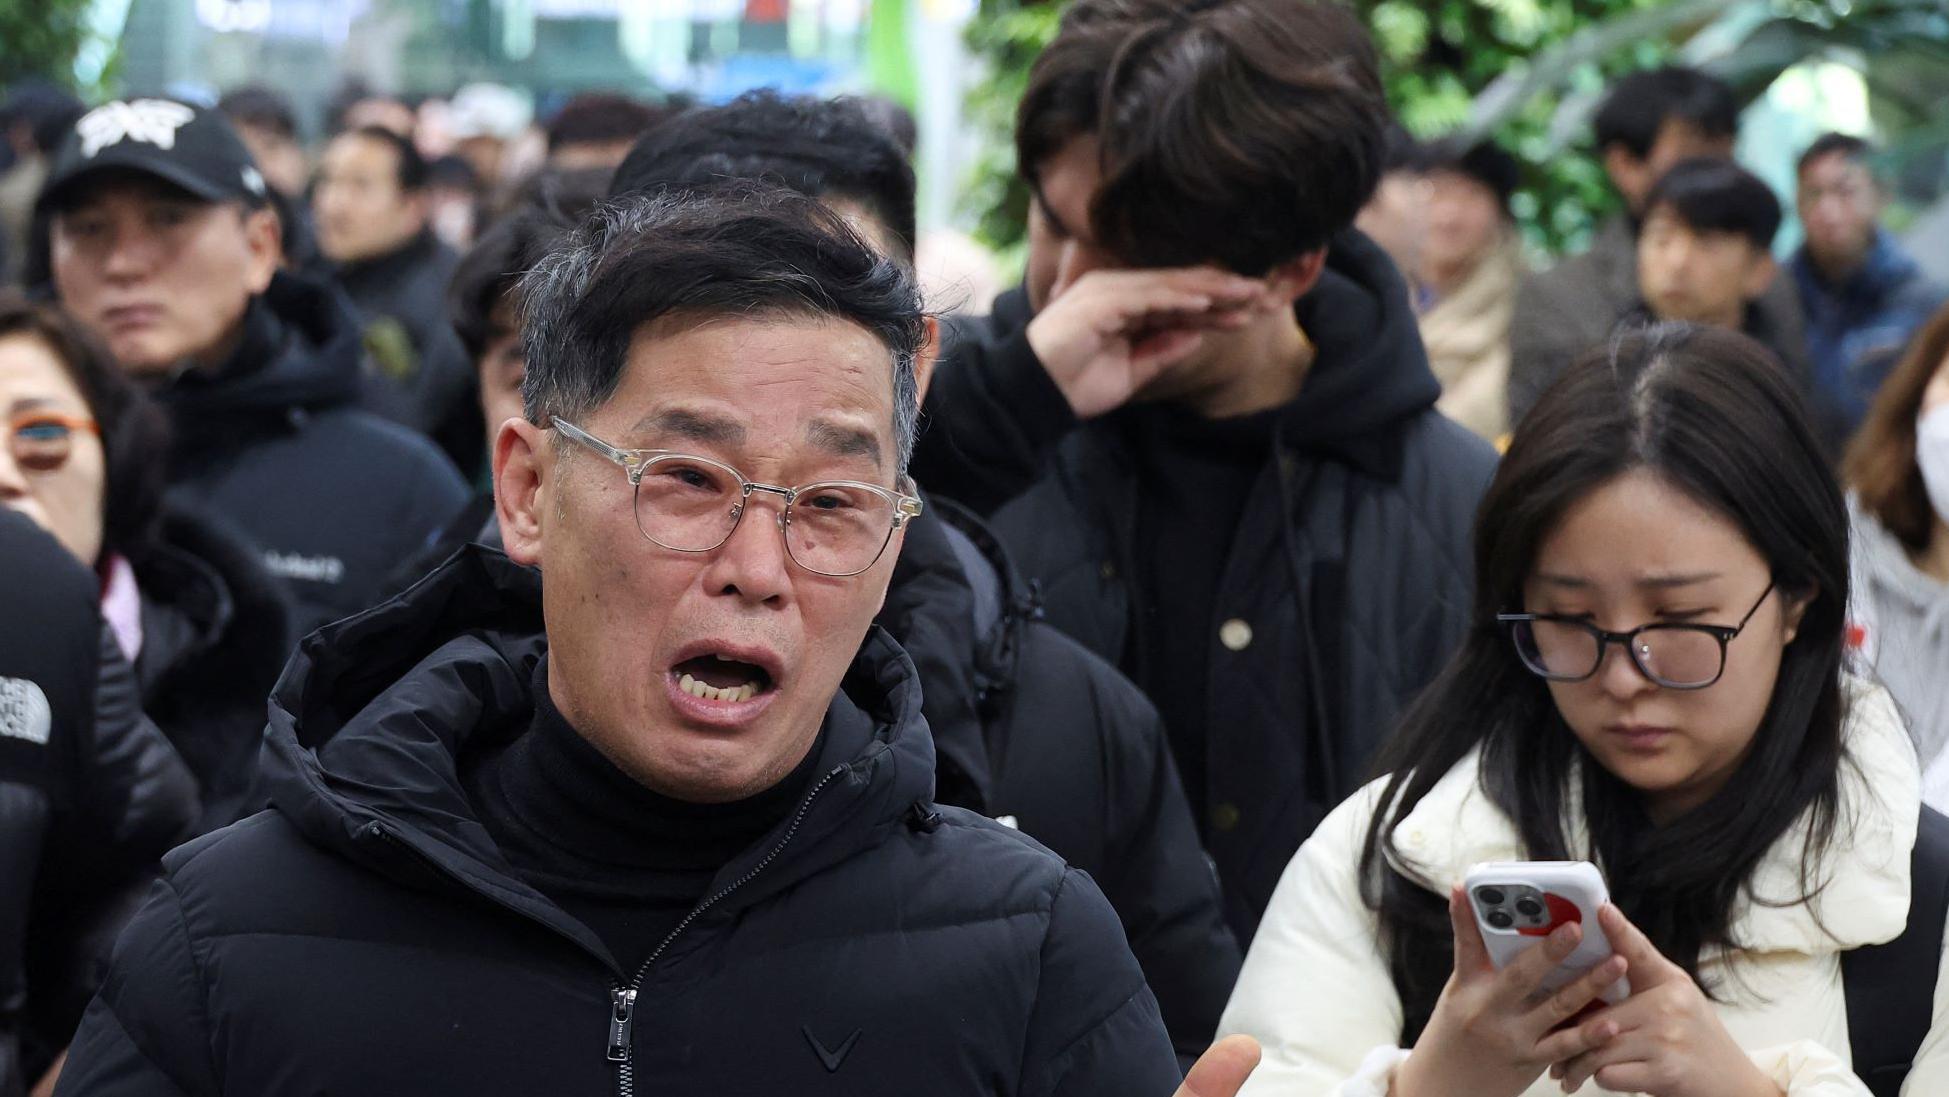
{"x":42,"y":441}
{"x":1571,"y":649}
{"x":686,"y":503}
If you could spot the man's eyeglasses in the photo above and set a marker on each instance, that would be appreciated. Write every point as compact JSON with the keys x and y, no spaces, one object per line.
{"x":686,"y":503}
{"x":42,"y":441}
{"x":1571,"y":649}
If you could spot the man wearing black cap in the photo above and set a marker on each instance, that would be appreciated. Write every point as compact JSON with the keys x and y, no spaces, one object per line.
{"x":162,"y":242}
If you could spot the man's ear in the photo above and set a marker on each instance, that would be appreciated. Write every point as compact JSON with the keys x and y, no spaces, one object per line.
{"x":1760,"y":275}
{"x":1629,"y":175}
{"x":522,"y":463}
{"x":1294,"y":279}
{"x":264,"y":245}
{"x":930,"y":353}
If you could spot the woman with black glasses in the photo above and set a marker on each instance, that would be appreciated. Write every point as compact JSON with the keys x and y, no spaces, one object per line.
{"x":1654,"y":682}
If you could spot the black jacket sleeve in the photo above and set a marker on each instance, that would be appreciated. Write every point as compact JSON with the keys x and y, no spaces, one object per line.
{"x":49,"y":633}
{"x":1162,"y":884}
{"x":147,"y":1033}
{"x":135,"y":801}
{"x":1095,"y":1031}
{"x":992,"y":415}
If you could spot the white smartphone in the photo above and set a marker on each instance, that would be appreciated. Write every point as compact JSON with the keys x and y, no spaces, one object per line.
{"x":1518,"y":903}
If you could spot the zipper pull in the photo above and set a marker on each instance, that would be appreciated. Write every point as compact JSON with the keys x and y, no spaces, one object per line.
{"x":622,"y":1008}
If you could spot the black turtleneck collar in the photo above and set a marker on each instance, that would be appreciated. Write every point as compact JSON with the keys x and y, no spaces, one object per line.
{"x":626,"y":861}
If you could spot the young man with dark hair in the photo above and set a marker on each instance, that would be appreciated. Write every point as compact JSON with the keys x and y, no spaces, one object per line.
{"x":1264,"y":521}
{"x":370,"y":202}
{"x":1863,"y":296}
{"x":162,"y":243}
{"x":596,"y":130}
{"x":1648,"y":122}
{"x":658,"y":809}
{"x":1028,"y":726}
{"x":1705,"y":251}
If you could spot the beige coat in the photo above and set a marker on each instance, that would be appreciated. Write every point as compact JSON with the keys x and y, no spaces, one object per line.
{"x":1467,"y":335}
{"x":1316,"y":990}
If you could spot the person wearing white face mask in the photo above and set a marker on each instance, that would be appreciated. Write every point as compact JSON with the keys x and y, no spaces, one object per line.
{"x":1898,"y":470}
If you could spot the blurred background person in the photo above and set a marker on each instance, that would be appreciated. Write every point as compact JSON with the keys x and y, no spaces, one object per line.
{"x":1898,"y":471}
{"x":166,"y":251}
{"x":1862,"y":295}
{"x":91,"y":795}
{"x":487,"y":123}
{"x":453,"y":201}
{"x":371,"y":209}
{"x":596,"y":130}
{"x":1465,"y":284}
{"x":1648,"y":122}
{"x":34,"y":119}
{"x":264,"y":118}
{"x":1705,"y":255}
{"x":1396,"y":217}
{"x":192,"y":608}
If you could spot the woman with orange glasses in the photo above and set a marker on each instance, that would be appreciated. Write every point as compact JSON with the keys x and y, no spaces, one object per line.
{"x":191,"y":606}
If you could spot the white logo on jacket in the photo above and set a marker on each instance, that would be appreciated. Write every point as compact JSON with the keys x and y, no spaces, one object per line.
{"x":24,"y":711}
{"x":150,"y":121}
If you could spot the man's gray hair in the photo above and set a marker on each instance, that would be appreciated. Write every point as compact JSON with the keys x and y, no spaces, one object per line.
{"x":739,"y":250}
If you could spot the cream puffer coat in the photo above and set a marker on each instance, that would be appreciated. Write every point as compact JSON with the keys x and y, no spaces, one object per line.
{"x":1316,"y":991}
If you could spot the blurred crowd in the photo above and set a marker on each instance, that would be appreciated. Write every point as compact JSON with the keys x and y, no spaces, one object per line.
{"x":1141,"y":660}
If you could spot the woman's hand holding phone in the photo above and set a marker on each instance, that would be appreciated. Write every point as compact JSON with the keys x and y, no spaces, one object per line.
{"x":1494,"y":1033}
{"x":1665,"y":1040}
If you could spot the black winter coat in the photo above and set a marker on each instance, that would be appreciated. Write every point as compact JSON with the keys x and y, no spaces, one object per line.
{"x":993,"y":417}
{"x":1031,"y":728}
{"x":366,"y":937}
{"x":420,"y":374}
{"x":216,"y":631}
{"x":90,"y":796}
{"x":1350,"y":566}
{"x":335,"y":498}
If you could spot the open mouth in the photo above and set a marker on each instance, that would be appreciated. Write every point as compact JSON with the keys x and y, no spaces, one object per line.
{"x":717,"y":678}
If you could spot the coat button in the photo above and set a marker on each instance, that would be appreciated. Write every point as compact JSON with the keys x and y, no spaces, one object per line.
{"x":1224,"y":817}
{"x":1235,"y":634}
{"x":1108,"y":569}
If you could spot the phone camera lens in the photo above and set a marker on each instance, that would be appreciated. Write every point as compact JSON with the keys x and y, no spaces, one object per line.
{"x":1528,"y":908}
{"x":1500,"y":919}
{"x":1490,"y":896}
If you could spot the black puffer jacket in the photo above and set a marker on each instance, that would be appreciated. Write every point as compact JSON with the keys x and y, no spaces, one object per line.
{"x":90,"y":796}
{"x":335,"y":498}
{"x":993,"y":417}
{"x":365,"y":936}
{"x":420,"y":375}
{"x":1032,"y":728}
{"x":1350,"y":569}
{"x":216,"y":631}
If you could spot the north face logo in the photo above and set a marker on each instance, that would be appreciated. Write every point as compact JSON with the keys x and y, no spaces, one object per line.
{"x":150,"y":121}
{"x":24,"y":711}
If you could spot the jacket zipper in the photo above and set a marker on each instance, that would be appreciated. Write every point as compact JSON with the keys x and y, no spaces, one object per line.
{"x":622,"y":999}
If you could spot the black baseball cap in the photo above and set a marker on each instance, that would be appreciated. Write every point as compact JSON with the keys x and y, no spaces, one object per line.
{"x":183,"y":145}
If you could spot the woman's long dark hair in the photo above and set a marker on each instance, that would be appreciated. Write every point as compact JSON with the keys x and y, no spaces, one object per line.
{"x":134,"y":432}
{"x":1712,"y":413}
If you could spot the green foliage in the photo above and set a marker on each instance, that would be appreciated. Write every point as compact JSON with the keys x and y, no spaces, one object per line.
{"x":1008,"y":34}
{"x":43,"y":37}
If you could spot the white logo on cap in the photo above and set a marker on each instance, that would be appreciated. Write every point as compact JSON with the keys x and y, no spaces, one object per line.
{"x":253,"y":180}
{"x":150,"y":121}
{"x":24,"y":712}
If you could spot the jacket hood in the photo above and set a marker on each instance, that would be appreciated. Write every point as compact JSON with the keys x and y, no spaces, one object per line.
{"x":300,"y":353}
{"x":949,"y":606}
{"x":1863,"y":893}
{"x":207,"y":601}
{"x":1369,"y":369}
{"x":374,"y":713}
